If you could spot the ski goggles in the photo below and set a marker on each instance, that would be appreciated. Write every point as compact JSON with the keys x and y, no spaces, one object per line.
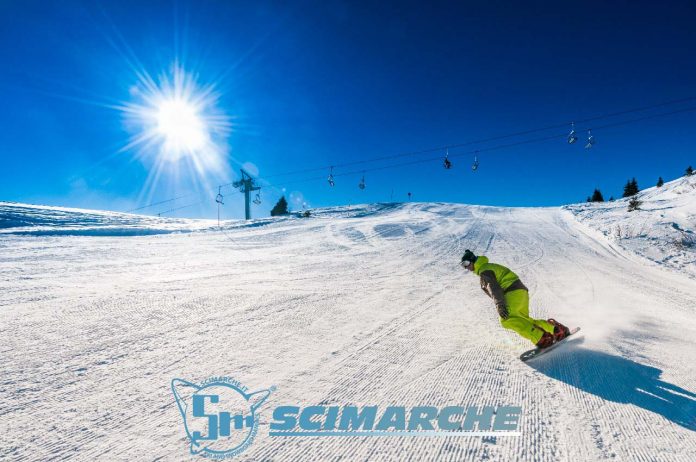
{"x":466,"y":263}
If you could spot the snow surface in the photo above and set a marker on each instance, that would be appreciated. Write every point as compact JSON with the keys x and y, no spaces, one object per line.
{"x":663,"y":230}
{"x":362,"y":305}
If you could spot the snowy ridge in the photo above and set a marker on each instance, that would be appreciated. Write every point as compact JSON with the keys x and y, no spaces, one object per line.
{"x":44,"y":220}
{"x":48,"y":220}
{"x":663,"y":230}
{"x":355,"y":305}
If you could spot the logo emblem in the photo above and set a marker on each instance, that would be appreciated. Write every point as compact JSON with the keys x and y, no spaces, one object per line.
{"x":219,"y":415}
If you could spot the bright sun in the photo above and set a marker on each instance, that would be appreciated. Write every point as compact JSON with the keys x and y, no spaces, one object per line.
{"x":175,"y":122}
{"x":181,"y":127}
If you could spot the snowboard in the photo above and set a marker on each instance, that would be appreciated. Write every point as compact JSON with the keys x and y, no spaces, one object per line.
{"x":536,"y":352}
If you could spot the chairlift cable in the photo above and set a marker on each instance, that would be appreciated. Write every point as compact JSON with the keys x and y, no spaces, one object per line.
{"x":488,"y":149}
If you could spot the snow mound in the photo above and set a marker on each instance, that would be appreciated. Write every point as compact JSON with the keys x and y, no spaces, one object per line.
{"x":662,"y":230}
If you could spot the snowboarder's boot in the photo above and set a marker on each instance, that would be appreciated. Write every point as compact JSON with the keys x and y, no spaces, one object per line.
{"x":559,"y":330}
{"x":545,"y":341}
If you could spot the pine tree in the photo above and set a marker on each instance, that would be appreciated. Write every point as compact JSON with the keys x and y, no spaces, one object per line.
{"x":611,"y":198}
{"x":631,"y":188}
{"x":634,"y":186}
{"x":597,"y":196}
{"x":689,"y":171}
{"x":634,"y":204}
{"x":589,"y":199}
{"x":281,"y":207}
{"x":660,"y":182}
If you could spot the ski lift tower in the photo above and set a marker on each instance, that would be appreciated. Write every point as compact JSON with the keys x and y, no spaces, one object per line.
{"x":246,"y":185}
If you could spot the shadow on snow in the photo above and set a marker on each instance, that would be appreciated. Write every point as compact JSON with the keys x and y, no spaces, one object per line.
{"x":622,"y":380}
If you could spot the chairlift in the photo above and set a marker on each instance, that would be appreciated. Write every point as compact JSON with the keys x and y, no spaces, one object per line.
{"x":257,"y":199}
{"x":362,"y":183}
{"x":331,"y":178}
{"x":475,"y":165}
{"x":572,"y":137}
{"x":447,"y":163}
{"x":409,"y":196}
{"x":590,"y":140}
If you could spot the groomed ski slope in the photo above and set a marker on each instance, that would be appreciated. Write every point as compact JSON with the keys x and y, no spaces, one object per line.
{"x":361,"y":305}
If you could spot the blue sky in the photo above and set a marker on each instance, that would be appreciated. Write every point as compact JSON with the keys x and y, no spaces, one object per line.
{"x":311,"y":84}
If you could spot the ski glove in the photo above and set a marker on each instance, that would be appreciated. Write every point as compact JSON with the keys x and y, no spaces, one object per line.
{"x":502,"y":310}
{"x":490,"y":286}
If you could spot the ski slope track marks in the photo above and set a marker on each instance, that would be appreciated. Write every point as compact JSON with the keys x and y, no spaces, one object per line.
{"x":362,"y":305}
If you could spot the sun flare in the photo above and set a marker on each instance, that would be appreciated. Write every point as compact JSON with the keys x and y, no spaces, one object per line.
{"x":174,"y":120}
{"x":181,"y":127}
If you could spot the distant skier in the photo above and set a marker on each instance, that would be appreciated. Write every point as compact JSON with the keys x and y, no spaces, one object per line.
{"x":511,"y":298}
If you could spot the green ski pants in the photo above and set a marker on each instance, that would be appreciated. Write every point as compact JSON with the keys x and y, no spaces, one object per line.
{"x":519,"y":320}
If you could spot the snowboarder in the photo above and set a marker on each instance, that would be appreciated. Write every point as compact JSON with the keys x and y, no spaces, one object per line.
{"x":511,"y":298}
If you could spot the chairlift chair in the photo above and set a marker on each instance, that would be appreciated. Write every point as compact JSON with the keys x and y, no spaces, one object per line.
{"x":362,"y":183}
{"x":590,"y":140}
{"x":331,"y":178}
{"x":572,"y":137}
{"x":447,"y":163}
{"x":475,"y":165}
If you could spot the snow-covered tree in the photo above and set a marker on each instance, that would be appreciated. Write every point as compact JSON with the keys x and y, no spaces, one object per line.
{"x":689,"y":171}
{"x":660,"y":182}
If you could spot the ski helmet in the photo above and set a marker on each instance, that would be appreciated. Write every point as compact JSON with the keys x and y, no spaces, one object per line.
{"x":468,"y":258}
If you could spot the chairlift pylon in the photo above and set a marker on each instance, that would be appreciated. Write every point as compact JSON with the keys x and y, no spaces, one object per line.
{"x":219,"y":201}
{"x":590,"y":140}
{"x":572,"y":136}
